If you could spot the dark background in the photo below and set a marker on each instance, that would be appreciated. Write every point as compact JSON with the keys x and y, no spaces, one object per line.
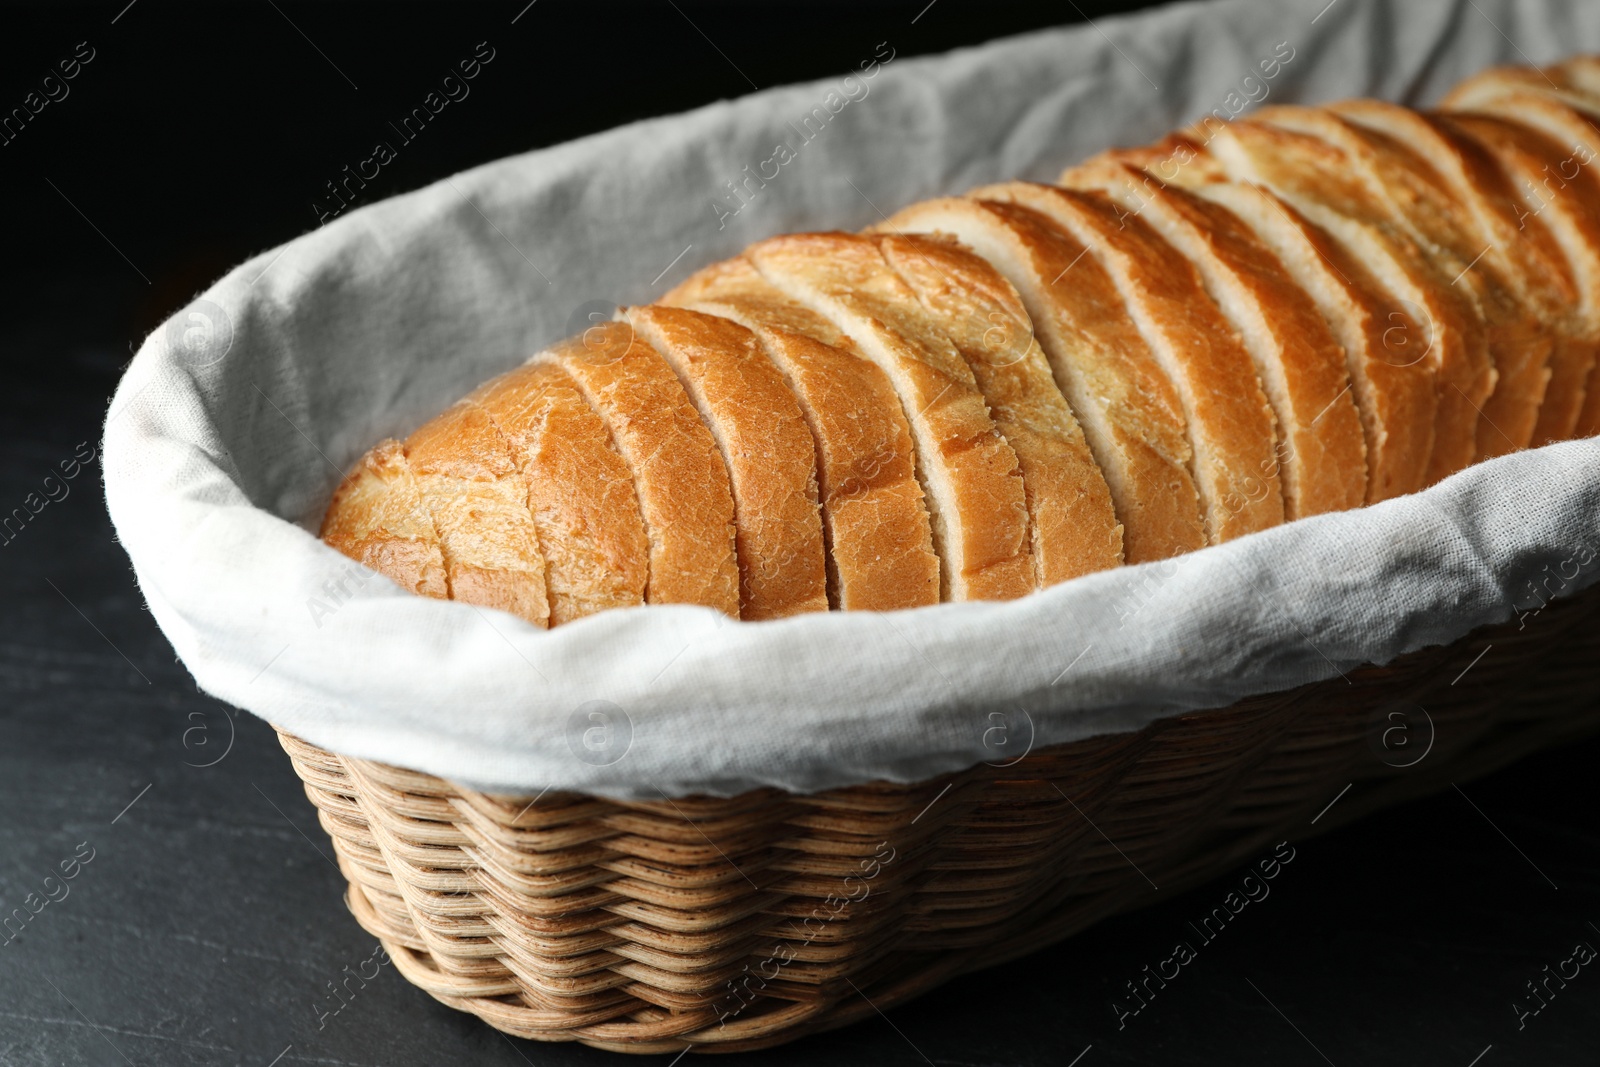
{"x":208,"y":923}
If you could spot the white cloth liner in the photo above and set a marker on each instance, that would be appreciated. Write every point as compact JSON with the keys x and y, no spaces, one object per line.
{"x":233,"y":423}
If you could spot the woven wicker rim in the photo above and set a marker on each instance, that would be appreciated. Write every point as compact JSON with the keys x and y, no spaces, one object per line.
{"x":730,"y":924}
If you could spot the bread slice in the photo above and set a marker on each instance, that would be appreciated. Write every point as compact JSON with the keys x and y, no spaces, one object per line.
{"x":876,"y":528}
{"x":1316,"y":178}
{"x":1579,"y":74}
{"x":469,"y":481}
{"x":1453,"y":190}
{"x":1393,"y":388}
{"x":1558,"y":200}
{"x":1322,"y":453}
{"x":1074,"y":527}
{"x":1569,"y":120}
{"x":1231,"y":426}
{"x":1421,"y":206}
{"x":764,"y":441}
{"x":684,"y":491}
{"x":378,"y":518}
{"x":970,"y":475}
{"x":1129,"y":411}
{"x":1474,"y":92}
{"x":579,"y":491}
{"x":1179,"y":158}
{"x":1577,"y":78}
{"x":1484,"y":91}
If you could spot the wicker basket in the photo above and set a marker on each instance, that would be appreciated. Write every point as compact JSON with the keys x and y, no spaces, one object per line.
{"x":735,"y":924}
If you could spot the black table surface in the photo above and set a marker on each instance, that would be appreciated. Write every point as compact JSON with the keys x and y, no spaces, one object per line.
{"x":203,"y":922}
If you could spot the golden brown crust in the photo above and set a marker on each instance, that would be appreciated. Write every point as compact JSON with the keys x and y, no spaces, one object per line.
{"x":1558,"y":201}
{"x":1459,"y":202}
{"x":968,"y":473}
{"x":1419,"y":204}
{"x":469,"y":481}
{"x":1317,"y":179}
{"x":1577,"y":74}
{"x":378,"y":518}
{"x":1486,"y":85}
{"x":1321,"y":449}
{"x":1392,"y":383}
{"x":1179,"y":158}
{"x":1552,"y":114}
{"x":1072,"y":523}
{"x":1231,"y":425}
{"x":762,"y":435}
{"x":1128,"y":409}
{"x":1185,"y":342}
{"x":1564,"y":83}
{"x":683,"y":487}
{"x":579,"y":490}
{"x":878,"y":537}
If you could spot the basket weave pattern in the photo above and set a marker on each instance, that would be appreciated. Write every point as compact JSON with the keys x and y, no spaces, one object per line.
{"x":732,"y":924}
